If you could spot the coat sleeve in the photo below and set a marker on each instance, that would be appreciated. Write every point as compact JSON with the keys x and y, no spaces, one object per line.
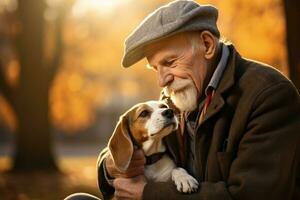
{"x":105,"y":187}
{"x":265,"y":166}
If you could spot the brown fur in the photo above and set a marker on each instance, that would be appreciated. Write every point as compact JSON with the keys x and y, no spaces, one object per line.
{"x":120,"y":144}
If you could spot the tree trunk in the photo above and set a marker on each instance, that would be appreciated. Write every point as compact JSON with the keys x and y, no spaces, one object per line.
{"x":30,"y":101}
{"x":292,"y":15}
{"x":33,"y":139}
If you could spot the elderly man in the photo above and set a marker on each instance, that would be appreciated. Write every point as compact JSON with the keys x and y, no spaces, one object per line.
{"x":240,"y":119}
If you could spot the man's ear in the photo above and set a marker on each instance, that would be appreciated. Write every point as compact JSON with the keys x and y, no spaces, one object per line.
{"x":120,"y":144}
{"x":210,"y":44}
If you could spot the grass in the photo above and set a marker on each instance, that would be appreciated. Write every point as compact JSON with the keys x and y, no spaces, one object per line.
{"x":79,"y":175}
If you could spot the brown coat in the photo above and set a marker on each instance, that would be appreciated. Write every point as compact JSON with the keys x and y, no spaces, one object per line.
{"x":248,"y":141}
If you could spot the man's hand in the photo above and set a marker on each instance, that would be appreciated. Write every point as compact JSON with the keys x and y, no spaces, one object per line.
{"x":135,"y":168}
{"x":129,"y":188}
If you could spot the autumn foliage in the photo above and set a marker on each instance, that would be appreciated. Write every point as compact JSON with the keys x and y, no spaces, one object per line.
{"x":91,"y":82}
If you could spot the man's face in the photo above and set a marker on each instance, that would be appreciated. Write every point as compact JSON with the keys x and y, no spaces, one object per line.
{"x":181,"y":69}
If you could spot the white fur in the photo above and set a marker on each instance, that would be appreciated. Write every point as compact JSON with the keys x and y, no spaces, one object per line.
{"x":153,"y":146}
{"x":183,"y":94}
{"x":184,"y":182}
{"x":165,"y":168}
{"x":156,"y":122}
{"x":161,"y":170}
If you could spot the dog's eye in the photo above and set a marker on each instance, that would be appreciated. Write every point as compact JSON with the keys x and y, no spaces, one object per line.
{"x":144,"y":113}
{"x":163,"y":106}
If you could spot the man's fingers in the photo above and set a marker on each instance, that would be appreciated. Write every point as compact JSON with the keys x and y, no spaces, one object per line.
{"x":135,"y":172}
{"x":121,"y":194}
{"x":120,"y":185}
{"x":129,"y":188}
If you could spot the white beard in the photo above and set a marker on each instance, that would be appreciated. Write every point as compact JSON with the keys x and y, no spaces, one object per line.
{"x":183,"y":94}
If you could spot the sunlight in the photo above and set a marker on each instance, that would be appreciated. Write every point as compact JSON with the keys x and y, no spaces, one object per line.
{"x":8,"y":5}
{"x":99,"y":7}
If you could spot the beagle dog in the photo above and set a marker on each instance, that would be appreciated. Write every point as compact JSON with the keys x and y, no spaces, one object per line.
{"x":144,"y":126}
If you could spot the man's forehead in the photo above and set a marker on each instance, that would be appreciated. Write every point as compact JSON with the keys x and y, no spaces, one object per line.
{"x":164,"y":47}
{"x":152,"y":49}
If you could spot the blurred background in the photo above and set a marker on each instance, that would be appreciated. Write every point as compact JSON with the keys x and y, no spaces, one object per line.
{"x":62,"y":87}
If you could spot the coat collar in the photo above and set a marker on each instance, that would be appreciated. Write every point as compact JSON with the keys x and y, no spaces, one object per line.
{"x":227,"y":81}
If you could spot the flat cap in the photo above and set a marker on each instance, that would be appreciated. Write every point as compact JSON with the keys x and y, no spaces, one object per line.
{"x":175,"y":17}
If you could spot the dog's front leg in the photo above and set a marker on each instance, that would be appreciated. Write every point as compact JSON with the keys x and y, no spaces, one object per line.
{"x":183,"y":181}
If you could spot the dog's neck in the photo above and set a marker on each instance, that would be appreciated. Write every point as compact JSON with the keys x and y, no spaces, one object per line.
{"x":153,"y":146}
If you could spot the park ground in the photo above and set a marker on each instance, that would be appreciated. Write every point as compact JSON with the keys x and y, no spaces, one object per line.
{"x":78,"y":174}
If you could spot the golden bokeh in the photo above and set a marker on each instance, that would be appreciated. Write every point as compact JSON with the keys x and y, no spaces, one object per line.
{"x":91,"y":80}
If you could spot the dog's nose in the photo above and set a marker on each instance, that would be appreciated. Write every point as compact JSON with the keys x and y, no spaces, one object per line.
{"x":168,"y":113}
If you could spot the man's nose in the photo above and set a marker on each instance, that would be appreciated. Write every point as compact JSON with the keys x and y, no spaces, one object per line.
{"x":164,"y":78}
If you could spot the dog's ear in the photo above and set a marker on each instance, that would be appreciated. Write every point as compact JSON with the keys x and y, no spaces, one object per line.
{"x":120,"y":144}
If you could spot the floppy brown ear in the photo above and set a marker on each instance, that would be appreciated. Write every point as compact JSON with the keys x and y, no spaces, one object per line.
{"x":120,"y":145}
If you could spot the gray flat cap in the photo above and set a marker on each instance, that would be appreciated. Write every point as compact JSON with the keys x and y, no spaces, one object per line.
{"x":175,"y":17}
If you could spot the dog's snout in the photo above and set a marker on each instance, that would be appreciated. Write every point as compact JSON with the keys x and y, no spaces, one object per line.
{"x":168,"y":113}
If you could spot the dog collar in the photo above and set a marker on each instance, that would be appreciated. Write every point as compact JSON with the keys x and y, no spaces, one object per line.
{"x":154,"y":158}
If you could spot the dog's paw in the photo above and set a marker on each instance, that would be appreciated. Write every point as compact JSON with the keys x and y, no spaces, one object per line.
{"x":183,"y":181}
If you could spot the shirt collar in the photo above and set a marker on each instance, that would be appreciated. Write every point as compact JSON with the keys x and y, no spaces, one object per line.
{"x":217,"y":75}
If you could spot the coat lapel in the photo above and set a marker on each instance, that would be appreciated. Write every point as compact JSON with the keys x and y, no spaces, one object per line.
{"x":226,"y":83}
{"x":215,"y":106}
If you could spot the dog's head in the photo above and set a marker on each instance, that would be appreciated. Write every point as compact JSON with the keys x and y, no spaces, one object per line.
{"x":144,"y":121}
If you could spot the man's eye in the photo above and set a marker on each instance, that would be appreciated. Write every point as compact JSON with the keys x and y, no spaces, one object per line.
{"x":145,"y":113}
{"x":168,"y":63}
{"x":163,"y":106}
